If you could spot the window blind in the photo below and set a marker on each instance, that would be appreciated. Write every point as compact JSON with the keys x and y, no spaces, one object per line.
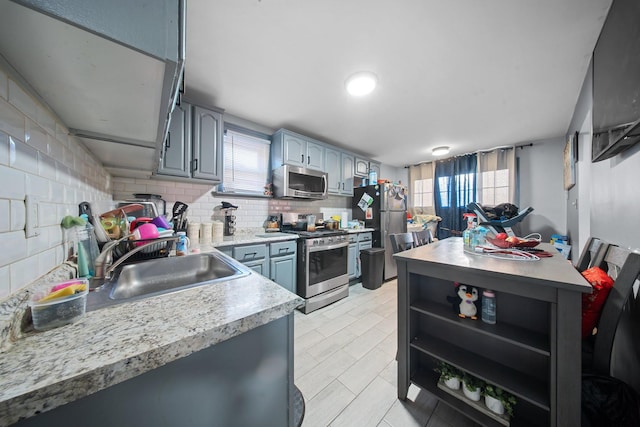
{"x":246,"y":163}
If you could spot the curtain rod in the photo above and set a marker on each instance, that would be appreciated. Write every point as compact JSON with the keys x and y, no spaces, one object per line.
{"x":488,"y":150}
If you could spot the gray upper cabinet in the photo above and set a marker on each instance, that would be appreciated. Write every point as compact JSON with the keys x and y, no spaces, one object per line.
{"x":339,"y":167}
{"x":362,"y":167}
{"x":333,"y":169}
{"x":207,"y":145}
{"x":375,"y":167}
{"x":193,"y":148}
{"x":347,"y":162}
{"x":177,"y":146}
{"x":80,"y":45}
{"x":296,"y":150}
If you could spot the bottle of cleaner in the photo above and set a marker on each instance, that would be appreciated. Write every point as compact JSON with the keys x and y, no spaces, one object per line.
{"x":488,"y":306}
{"x":466,"y":234}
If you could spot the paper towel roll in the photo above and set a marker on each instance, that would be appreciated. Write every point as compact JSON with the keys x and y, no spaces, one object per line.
{"x":193,"y":233}
{"x":217,"y":231}
{"x":344,"y":219}
{"x":206,"y":233}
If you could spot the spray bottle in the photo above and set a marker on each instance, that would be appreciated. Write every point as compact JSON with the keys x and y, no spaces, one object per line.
{"x":466,"y":234}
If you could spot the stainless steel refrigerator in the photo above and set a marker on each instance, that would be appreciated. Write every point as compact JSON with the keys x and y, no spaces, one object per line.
{"x":382,"y":207}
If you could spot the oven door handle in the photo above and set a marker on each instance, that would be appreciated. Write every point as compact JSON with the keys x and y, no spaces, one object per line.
{"x":328,"y":247}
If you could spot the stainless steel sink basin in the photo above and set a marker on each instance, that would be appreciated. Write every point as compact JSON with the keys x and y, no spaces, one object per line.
{"x":164,"y":275}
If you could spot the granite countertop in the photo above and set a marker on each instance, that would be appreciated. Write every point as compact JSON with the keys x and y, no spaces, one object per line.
{"x":253,"y":237}
{"x":42,"y":370}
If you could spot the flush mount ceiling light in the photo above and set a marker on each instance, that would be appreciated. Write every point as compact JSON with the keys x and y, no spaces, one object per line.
{"x":361,"y":83}
{"x":440,"y":151}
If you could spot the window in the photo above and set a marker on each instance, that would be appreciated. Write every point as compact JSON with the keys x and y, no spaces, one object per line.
{"x":246,"y":162}
{"x":495,"y":187}
{"x":423,"y":193}
{"x":443,"y":185}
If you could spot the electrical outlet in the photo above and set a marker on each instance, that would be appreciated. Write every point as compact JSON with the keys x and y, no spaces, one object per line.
{"x":31,"y":216}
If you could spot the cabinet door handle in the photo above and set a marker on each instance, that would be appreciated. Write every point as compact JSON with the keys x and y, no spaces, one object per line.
{"x":167,"y":143}
{"x":302,"y":159}
{"x":194,"y":165}
{"x":308,"y":160}
{"x":343,"y":185}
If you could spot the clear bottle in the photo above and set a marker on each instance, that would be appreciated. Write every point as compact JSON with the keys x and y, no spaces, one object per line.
{"x":87,"y":248}
{"x":489,"y":306}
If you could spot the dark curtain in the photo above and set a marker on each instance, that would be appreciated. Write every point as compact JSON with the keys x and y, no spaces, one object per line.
{"x":454,"y":188}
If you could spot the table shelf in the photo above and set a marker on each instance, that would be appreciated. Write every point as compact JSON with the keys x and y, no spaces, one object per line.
{"x":527,"y":339}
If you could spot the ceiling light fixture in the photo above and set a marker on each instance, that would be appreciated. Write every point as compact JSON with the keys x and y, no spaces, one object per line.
{"x":440,"y":151}
{"x":361,"y":83}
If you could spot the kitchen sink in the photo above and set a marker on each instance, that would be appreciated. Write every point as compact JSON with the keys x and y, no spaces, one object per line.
{"x":164,"y":275}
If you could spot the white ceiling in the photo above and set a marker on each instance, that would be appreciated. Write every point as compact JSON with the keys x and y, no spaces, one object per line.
{"x":469,"y":74}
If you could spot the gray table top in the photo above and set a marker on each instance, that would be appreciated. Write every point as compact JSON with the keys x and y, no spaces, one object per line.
{"x":448,"y":253}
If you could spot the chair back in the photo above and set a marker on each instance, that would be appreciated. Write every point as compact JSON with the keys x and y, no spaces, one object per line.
{"x":422,"y":237}
{"x":592,"y":254}
{"x":401,"y":242}
{"x":623,"y":266}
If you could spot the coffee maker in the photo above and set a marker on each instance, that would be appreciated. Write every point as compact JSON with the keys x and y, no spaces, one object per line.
{"x":229,"y":211}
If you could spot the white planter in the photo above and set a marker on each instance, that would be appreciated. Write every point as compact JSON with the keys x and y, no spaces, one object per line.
{"x":494,"y":405}
{"x":453,"y":383}
{"x":473,"y":395}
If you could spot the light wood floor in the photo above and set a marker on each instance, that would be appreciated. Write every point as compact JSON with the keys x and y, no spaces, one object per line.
{"x":345,"y":367}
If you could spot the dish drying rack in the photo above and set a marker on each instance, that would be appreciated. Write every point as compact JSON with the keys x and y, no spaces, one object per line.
{"x":138,"y":250}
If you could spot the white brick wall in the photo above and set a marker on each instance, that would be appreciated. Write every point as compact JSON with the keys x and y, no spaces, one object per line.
{"x":39,"y":159}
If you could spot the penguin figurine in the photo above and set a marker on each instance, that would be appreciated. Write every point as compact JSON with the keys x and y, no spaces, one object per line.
{"x":464,"y":303}
{"x":468,"y":296}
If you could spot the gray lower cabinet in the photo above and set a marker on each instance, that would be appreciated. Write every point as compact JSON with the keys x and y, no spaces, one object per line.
{"x":352,"y":266}
{"x":357,"y":242}
{"x":222,"y":385}
{"x":193,"y":147}
{"x":254,"y":257}
{"x":282,"y":264}
{"x":277,"y":260}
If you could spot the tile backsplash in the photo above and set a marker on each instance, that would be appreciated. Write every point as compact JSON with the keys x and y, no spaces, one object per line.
{"x":251,"y":213}
{"x":40,"y":160}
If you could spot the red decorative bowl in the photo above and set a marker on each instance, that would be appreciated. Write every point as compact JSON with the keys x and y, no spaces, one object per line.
{"x":523,"y":243}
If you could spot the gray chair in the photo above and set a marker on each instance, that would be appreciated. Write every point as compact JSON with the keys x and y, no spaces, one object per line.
{"x":422,"y":237}
{"x":401,"y":242}
{"x":592,"y":254}
{"x":623,"y":266}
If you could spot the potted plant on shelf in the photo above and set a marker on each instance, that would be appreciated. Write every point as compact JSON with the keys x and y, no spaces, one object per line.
{"x":498,"y":400}
{"x":471,"y":386}
{"x":449,"y":375}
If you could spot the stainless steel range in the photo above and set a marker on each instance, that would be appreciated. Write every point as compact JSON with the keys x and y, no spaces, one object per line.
{"x":322,"y":262}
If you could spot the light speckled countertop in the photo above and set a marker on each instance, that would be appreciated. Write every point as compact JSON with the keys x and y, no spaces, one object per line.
{"x":42,"y":370}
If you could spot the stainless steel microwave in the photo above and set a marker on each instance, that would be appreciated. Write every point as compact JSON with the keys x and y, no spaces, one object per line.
{"x":292,"y":182}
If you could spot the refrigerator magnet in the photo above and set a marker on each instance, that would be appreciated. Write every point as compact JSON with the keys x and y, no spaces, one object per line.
{"x":369,"y":214}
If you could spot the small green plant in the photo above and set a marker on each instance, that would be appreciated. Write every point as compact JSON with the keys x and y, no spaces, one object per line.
{"x":447,"y":371}
{"x":472,"y":383}
{"x":507,"y":399}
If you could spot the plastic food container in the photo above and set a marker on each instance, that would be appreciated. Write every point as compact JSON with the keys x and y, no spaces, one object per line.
{"x":54,"y":312}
